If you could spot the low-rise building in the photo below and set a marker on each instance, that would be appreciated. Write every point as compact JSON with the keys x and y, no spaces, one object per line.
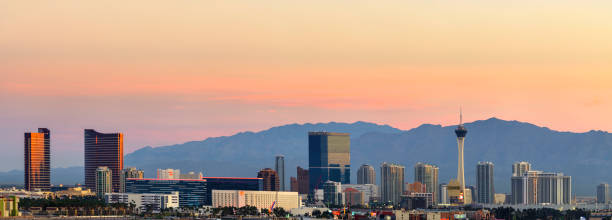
{"x":259,"y":199}
{"x":74,"y":192}
{"x":145,"y":201}
{"x":9,"y":206}
{"x":369,"y":191}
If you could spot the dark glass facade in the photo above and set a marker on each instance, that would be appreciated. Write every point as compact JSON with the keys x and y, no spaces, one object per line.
{"x":103,"y":150}
{"x":191,"y":192}
{"x":37,"y":160}
{"x":329,"y":158}
{"x":231,"y":183}
{"x":270,"y":179}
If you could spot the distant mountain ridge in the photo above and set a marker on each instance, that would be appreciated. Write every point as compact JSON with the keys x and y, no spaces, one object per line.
{"x":584,"y":156}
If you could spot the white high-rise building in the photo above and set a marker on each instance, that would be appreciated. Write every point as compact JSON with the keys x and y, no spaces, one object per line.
{"x":520,"y":168}
{"x":537,"y":187}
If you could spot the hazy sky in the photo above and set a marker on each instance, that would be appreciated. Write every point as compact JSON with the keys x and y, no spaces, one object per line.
{"x":166,"y":72}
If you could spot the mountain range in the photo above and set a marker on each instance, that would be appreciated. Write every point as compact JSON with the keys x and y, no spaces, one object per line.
{"x":584,"y":156}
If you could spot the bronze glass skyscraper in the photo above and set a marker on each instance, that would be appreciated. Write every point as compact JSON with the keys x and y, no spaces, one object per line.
{"x":329,"y":158}
{"x":103,"y":150}
{"x":37,"y":158}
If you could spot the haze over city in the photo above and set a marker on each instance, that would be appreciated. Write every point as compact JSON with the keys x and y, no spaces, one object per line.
{"x":167,"y":73}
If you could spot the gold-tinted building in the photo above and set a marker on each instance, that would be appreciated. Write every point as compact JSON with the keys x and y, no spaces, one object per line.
{"x":37,"y":158}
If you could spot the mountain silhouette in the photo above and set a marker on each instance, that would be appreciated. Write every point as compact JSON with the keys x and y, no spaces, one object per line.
{"x":584,"y":156}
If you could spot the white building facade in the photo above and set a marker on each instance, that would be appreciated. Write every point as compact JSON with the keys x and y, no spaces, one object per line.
{"x":157,"y":202}
{"x":259,"y":199}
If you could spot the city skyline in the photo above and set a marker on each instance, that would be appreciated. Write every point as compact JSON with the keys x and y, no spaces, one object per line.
{"x":320,"y":109}
{"x":190,"y":85}
{"x":503,"y":189}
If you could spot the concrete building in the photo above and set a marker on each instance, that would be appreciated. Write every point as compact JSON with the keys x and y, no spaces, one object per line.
{"x":168,"y":174}
{"x":37,"y":160}
{"x":279,"y":167}
{"x":293,"y":184}
{"x":192,"y":176}
{"x":104,"y":180}
{"x":130,"y":172}
{"x":271,"y":180}
{"x":353,"y":197}
{"x":302,"y":180}
{"x":9,"y":206}
{"x":537,"y":187}
{"x":103,"y":150}
{"x":500,"y":199}
{"x":443,"y":197}
{"x":603,"y":193}
{"x":329,"y":158}
{"x":427,"y":174}
{"x":156,"y":202}
{"x":391,"y":182}
{"x":74,"y":192}
{"x":417,"y":201}
{"x":370,"y":191}
{"x":484,"y":183}
{"x":520,"y":168}
{"x":332,"y":193}
{"x":259,"y":199}
{"x":366,"y":174}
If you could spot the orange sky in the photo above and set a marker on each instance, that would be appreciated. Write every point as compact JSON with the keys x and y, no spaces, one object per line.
{"x":169,"y":72}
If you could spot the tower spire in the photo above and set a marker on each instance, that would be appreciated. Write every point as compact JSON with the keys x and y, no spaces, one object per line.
{"x":460,"y":116}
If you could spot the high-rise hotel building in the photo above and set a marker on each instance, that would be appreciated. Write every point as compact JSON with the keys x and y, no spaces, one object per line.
{"x":427,"y":174}
{"x":103,"y":150}
{"x":329,"y":158}
{"x":37,"y":158}
{"x":366,"y":175}
{"x":537,"y":187}
{"x":484,"y":183}
{"x":391,"y":182}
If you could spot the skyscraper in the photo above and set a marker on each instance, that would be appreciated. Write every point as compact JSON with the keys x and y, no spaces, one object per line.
{"x":270,"y":179}
{"x":484,"y":183}
{"x":103,"y":150}
{"x":302,"y":180}
{"x":461,"y":132}
{"x":37,"y":160}
{"x":104,"y":179}
{"x":131,"y":173}
{"x":428,"y":175}
{"x":537,"y":187}
{"x":329,"y":158}
{"x":520,"y":168}
{"x":391,"y":182}
{"x":279,"y":166}
{"x":366,"y":175}
{"x":603,"y":193}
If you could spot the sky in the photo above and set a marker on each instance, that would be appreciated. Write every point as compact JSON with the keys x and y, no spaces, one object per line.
{"x":168,"y":72}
